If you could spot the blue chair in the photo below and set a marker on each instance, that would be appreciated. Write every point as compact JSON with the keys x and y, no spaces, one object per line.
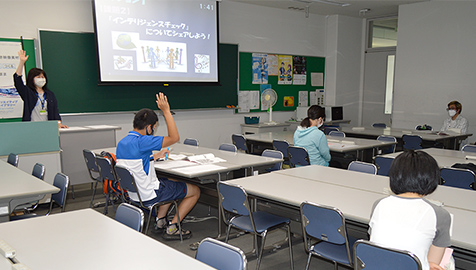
{"x":364,"y":167}
{"x":93,"y":170}
{"x":370,"y":256}
{"x":240,"y":142}
{"x":60,"y":181}
{"x":128,"y":183}
{"x":383,"y":165}
{"x":38,"y":172}
{"x":412,"y":142}
{"x":328,"y":130}
{"x":106,"y":171}
{"x":387,"y":150}
{"x":327,"y":226}
{"x":337,"y":134}
{"x":282,"y":146}
{"x":235,"y":205}
{"x":131,"y":216}
{"x":469,"y":148}
{"x":298,"y":156}
{"x":273,"y":154}
{"x":228,"y":147}
{"x":459,"y":178}
{"x":221,"y":255}
{"x":13,"y":159}
{"x":191,"y":141}
{"x":379,"y":125}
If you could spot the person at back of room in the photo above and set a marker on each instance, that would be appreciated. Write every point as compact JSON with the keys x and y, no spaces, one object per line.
{"x":309,"y":136}
{"x":39,"y":103}
{"x":135,"y":153}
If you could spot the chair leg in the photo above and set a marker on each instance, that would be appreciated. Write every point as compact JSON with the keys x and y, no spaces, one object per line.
{"x":179,"y":222}
{"x":227,"y":233}
{"x":148,"y":221}
{"x":290,"y":246}
{"x":94,"y":194}
{"x":308,"y":260}
{"x":261,"y":249}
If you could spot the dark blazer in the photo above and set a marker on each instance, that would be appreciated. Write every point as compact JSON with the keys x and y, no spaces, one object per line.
{"x":30,"y":99}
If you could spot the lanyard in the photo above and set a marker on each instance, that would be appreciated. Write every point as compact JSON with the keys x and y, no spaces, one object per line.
{"x":42,"y":101}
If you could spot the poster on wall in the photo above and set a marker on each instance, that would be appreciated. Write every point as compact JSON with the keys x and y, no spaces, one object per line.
{"x":299,"y":70}
{"x":285,"y":69}
{"x":273,"y":66}
{"x":260,"y":68}
{"x":11,"y":104}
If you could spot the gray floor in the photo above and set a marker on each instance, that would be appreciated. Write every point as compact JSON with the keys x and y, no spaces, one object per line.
{"x":207,"y":227}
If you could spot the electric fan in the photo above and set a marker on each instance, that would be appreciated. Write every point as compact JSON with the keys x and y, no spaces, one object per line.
{"x":268,"y":99}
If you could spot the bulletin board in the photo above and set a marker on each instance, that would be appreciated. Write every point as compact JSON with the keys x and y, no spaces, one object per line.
{"x":247,"y":75}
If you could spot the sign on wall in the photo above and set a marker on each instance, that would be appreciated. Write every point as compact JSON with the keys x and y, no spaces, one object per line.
{"x":11,"y":105}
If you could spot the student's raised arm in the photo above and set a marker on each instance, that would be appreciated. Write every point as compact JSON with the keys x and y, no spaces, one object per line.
{"x":23,"y":57}
{"x":173,"y":135}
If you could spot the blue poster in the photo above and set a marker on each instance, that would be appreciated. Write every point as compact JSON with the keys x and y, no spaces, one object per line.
{"x":260,"y":68}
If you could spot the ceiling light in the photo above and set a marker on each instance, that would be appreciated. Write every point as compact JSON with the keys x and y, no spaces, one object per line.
{"x":330,"y":2}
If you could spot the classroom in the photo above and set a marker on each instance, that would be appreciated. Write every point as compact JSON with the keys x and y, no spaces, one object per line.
{"x":434,"y":61}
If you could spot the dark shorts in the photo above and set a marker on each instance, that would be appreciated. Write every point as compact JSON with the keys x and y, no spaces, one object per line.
{"x":168,"y":191}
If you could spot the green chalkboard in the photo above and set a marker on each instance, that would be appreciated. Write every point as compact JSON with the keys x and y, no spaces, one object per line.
{"x":69,"y":60}
{"x":29,"y":46}
{"x":314,"y":64}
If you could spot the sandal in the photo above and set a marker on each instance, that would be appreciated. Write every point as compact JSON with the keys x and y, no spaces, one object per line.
{"x":172,"y":233}
{"x":161,"y":223}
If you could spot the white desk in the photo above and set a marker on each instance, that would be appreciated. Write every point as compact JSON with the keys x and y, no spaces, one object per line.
{"x":426,"y":135}
{"x":356,"y":204}
{"x":234,"y":161}
{"x":74,"y":139}
{"x":448,"y":196}
{"x":263,"y":127}
{"x":87,"y":239}
{"x":445,"y":158}
{"x":16,"y":185}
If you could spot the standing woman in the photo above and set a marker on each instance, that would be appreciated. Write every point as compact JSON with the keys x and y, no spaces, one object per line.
{"x":39,"y":103}
{"x":309,"y":136}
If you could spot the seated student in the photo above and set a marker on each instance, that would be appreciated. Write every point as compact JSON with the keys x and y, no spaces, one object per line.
{"x":455,"y":120}
{"x":309,"y":136}
{"x":135,"y":151}
{"x":407,"y":220}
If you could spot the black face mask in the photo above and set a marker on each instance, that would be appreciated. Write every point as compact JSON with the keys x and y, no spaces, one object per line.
{"x":152,"y":133}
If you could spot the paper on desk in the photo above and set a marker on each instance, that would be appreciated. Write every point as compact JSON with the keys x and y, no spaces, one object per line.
{"x":100,"y":126}
{"x":75,"y":128}
{"x":340,"y":145}
{"x":177,"y":156}
{"x":198,"y":169}
{"x":174,"y":164}
{"x":205,"y":159}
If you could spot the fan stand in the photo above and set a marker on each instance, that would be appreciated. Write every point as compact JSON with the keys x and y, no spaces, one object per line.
{"x":271,"y":122}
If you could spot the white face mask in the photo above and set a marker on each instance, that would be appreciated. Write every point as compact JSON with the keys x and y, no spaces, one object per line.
{"x":320,"y":124}
{"x":452,"y":113}
{"x":40,"y":82}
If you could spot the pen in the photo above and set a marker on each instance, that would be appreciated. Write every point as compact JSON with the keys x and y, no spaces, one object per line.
{"x":167,"y":154}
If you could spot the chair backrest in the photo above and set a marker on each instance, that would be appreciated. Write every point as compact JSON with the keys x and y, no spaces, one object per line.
{"x":221,"y":255}
{"x":90,"y":159}
{"x":273,"y":154}
{"x":337,"y":134}
{"x":130,"y":216}
{"x":469,"y":148}
{"x":324,"y":223}
{"x":385,"y":138}
{"x":39,"y":171}
{"x":364,"y":167}
{"x":379,"y":125}
{"x":127,"y":181}
{"x":281,"y":146}
{"x":240,"y":142}
{"x":412,"y":142}
{"x":105,"y":168}
{"x":460,"y":178}
{"x":61,"y":181}
{"x":13,"y":159}
{"x":383,"y":165}
{"x":327,"y":130}
{"x":233,"y":199}
{"x":227,"y":147}
{"x":370,"y":256}
{"x":191,"y":141}
{"x":298,"y":156}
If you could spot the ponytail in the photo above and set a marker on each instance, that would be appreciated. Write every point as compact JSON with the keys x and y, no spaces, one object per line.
{"x":306,"y":122}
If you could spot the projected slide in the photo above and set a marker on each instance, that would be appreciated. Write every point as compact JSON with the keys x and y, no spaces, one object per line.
{"x":157,"y":40}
